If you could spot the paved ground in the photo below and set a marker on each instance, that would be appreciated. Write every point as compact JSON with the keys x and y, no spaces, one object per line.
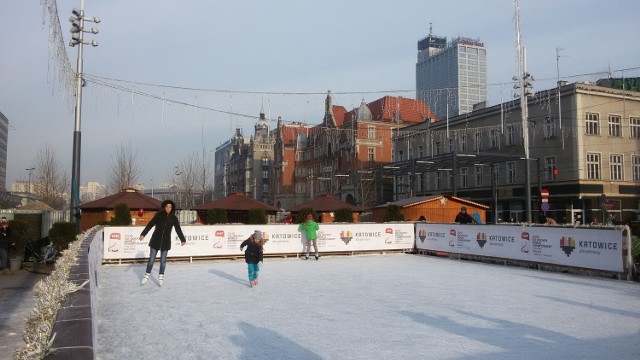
{"x":16,"y":302}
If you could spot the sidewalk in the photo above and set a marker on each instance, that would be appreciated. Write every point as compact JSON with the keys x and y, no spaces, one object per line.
{"x":16,"y":303}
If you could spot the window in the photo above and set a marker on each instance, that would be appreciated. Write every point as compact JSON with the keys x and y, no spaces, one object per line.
{"x":419,"y":179}
{"x":463,"y":143}
{"x":634,"y":127}
{"x":549,"y":127}
{"x":265,"y":188}
{"x":477,"y":141}
{"x":400,"y":155}
{"x":265,"y":174}
{"x":511,"y":172}
{"x":265,"y":161}
{"x":615,"y":125}
{"x":549,"y":166}
{"x":615,"y":163}
{"x":511,"y":135}
{"x":372,"y":154}
{"x":635,"y":164}
{"x":438,"y":148}
{"x":593,"y":124}
{"x":495,"y":138}
{"x":438,"y":180}
{"x":478,"y":175}
{"x":420,"y":151}
{"x":450,"y":141}
{"x":371,"y":132}
{"x":593,"y":166}
{"x":464,"y":177}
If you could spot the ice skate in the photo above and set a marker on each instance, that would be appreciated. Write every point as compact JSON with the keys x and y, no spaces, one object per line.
{"x":145,"y":278}
{"x":160,"y":279}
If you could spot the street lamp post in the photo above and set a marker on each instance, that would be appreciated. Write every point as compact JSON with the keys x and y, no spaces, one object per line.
{"x":151,"y":180}
{"x":177,"y":194}
{"x":77,"y":31}
{"x":29,"y":186}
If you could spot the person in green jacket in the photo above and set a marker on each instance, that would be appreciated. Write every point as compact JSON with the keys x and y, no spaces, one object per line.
{"x":310,"y":228}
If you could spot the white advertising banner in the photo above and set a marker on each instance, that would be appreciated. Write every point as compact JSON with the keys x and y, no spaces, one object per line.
{"x":220,"y":240}
{"x":588,"y":248}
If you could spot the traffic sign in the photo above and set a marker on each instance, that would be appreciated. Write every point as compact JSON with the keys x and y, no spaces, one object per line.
{"x":545,"y":206}
{"x":544,"y":193}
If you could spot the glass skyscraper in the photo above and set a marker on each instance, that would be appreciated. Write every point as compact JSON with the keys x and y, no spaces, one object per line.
{"x":451,"y":77}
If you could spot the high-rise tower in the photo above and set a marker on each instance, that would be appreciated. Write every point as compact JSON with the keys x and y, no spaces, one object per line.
{"x":451,"y":77}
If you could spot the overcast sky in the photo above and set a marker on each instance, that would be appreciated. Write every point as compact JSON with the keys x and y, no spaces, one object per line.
{"x":220,"y":62}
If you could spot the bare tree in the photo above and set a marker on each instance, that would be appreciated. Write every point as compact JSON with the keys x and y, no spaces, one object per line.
{"x":51,"y":179}
{"x":204,"y":174}
{"x":186,"y":177}
{"x":125,"y":169}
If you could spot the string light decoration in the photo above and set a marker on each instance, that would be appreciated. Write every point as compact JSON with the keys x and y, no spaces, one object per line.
{"x":63,"y":72}
{"x":50,"y":292}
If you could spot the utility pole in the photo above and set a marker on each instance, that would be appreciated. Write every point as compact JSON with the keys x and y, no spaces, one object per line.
{"x":77,"y":31}
{"x":523,"y":84}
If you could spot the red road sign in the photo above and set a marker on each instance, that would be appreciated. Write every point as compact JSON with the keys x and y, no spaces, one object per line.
{"x":544,"y":193}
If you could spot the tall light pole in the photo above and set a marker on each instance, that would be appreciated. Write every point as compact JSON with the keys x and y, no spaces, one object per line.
{"x":29,"y":187}
{"x":523,"y":84}
{"x":77,"y":31}
{"x":177,"y":194}
{"x":151,"y":180}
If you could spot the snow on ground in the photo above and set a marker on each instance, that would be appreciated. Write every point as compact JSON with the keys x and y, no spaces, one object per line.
{"x":397,"y":306}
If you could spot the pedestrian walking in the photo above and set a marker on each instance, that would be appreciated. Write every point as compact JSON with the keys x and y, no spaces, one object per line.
{"x":253,"y":256}
{"x":310,"y":228}
{"x":164,"y":221}
{"x":5,"y":244}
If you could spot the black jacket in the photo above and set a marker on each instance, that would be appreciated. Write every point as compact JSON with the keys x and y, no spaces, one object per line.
{"x":161,"y":238}
{"x":464,"y":218}
{"x":5,"y":238}
{"x":253,"y":254}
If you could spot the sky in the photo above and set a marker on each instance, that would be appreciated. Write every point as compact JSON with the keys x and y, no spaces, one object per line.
{"x":398,"y":306}
{"x":176,"y":78}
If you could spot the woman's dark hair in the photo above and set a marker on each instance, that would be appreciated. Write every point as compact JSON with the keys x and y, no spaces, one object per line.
{"x":173,"y":205}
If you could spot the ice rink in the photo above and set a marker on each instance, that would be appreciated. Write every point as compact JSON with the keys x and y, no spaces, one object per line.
{"x":393,"y":306}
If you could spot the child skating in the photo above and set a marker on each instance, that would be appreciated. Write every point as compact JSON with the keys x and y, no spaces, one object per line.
{"x":253,"y":256}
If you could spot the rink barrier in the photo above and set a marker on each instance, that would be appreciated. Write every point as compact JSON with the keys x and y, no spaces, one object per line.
{"x":76,"y":322}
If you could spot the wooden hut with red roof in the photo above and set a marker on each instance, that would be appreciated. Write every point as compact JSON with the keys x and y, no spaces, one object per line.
{"x":438,"y":208}
{"x":325,"y":205}
{"x":141,"y":207}
{"x":237,"y":206}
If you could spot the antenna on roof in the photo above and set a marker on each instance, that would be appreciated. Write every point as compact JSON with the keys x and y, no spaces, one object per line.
{"x":430,"y":28}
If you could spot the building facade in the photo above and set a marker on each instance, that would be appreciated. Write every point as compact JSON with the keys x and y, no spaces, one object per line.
{"x":451,"y":77}
{"x":246,"y":165}
{"x":337,"y":155}
{"x":584,"y":151}
{"x":4,"y":142}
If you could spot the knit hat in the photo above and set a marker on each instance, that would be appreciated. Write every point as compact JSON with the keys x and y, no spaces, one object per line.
{"x":258,"y":234}
{"x":309,"y":217}
{"x":463,"y":208}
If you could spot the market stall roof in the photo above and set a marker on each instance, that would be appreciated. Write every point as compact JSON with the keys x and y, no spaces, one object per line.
{"x":237,"y":201}
{"x":130,"y":197}
{"x":325,"y":203}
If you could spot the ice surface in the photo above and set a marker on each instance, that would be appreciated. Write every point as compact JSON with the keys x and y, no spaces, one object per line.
{"x":393,"y":306}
